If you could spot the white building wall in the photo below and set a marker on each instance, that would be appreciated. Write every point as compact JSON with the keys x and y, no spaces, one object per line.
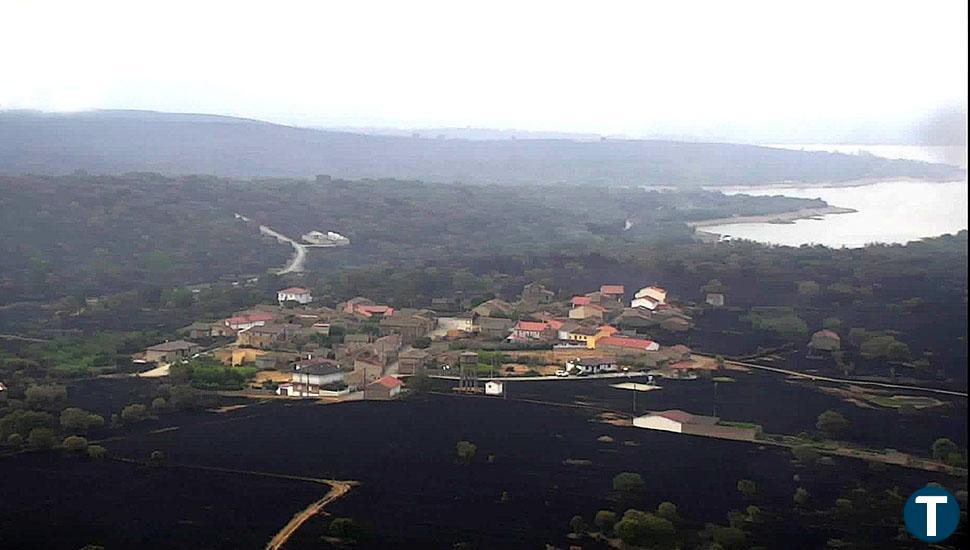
{"x":654,"y":422}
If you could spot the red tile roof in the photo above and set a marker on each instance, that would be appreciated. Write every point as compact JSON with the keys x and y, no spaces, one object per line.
{"x":295,"y":290}
{"x":612,"y":289}
{"x":633,"y":343}
{"x":531,"y":326}
{"x":609,"y":330}
{"x":554,"y":324}
{"x":389,"y":382}
{"x":581,"y":300}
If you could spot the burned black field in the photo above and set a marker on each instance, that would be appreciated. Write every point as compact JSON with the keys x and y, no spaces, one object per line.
{"x":412,"y":492}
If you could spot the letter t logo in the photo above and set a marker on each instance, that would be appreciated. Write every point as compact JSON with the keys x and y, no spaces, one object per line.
{"x":931,"y":502}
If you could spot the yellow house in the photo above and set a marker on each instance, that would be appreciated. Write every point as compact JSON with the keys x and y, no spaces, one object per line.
{"x":601,"y":332}
{"x":238,"y":356}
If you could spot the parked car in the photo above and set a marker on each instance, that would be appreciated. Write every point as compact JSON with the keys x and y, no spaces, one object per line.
{"x":562,"y":373}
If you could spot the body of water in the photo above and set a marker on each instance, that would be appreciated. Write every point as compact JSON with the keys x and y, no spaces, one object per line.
{"x":887,"y":212}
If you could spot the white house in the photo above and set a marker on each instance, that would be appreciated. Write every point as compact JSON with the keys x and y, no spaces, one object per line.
{"x":592,"y":365}
{"x":331,"y":238}
{"x":296,"y":294}
{"x":648,"y":303}
{"x":655,"y":293}
{"x":494,"y":387}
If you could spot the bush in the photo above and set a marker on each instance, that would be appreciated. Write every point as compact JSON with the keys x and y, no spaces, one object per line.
{"x":41,"y":438}
{"x":729,"y":538}
{"x":747,"y":488}
{"x":156,"y":458}
{"x":75,"y":420}
{"x":800,"y":497}
{"x":806,"y":454}
{"x":628,"y":483}
{"x":22,"y":422}
{"x":159,"y":404}
{"x":97,"y":452}
{"x":943,"y":448}
{"x":578,"y":525}
{"x":667,"y":510}
{"x":640,"y":528}
{"x":465,"y":451}
{"x":75,"y":444}
{"x":136,"y":412}
{"x":605,"y":520}
{"x":832,"y":424}
{"x":15,"y":440}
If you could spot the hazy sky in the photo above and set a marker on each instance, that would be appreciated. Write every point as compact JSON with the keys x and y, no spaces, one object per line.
{"x":636,"y":68}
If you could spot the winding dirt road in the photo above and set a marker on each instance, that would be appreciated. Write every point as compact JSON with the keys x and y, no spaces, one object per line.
{"x":337,"y":490}
{"x":295,"y":265}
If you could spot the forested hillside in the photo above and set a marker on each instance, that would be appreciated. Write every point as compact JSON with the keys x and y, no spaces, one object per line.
{"x":113,"y":142}
{"x":87,"y":235}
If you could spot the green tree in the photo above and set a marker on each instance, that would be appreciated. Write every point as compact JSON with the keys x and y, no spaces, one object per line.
{"x":419,"y":382}
{"x":605,"y":520}
{"x":747,"y":488}
{"x":15,"y":440}
{"x":75,"y":420}
{"x":133,"y":413}
{"x":183,"y":397}
{"x":754,"y":514}
{"x":667,"y":510}
{"x":159,"y":404}
{"x":97,"y":452}
{"x":944,"y":447}
{"x":41,"y":438}
{"x":628,"y":483}
{"x":48,"y":397}
{"x":75,"y":444}
{"x":728,"y":538}
{"x":832,"y":424}
{"x":22,"y":422}
{"x":465,"y":451}
{"x":578,"y":525}
{"x":800,"y":497}
{"x":640,"y":528}
{"x":806,"y":454}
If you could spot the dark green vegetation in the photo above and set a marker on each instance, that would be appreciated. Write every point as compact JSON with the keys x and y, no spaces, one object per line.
{"x":122,"y":141}
{"x":76,"y":236}
{"x":210,"y":374}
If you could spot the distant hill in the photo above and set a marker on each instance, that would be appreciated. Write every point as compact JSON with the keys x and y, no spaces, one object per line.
{"x":113,"y":142}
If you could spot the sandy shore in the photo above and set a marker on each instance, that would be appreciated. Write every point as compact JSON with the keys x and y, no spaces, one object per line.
{"x":781,"y":217}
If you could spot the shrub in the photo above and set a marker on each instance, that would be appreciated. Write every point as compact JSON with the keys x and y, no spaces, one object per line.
{"x":628,"y":483}
{"x":605,"y":520}
{"x":136,"y":412}
{"x":747,"y":488}
{"x":75,"y":420}
{"x":97,"y":452}
{"x":465,"y":451}
{"x":41,"y":438}
{"x":832,"y":424}
{"x":75,"y":444}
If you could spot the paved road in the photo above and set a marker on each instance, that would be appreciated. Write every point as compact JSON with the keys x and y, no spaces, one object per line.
{"x":295,"y":265}
{"x":846,"y":380}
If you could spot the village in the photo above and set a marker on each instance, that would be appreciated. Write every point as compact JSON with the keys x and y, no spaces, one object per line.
{"x":365,"y":350}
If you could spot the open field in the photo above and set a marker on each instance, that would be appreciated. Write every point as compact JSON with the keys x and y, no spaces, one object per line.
{"x":553,"y":461}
